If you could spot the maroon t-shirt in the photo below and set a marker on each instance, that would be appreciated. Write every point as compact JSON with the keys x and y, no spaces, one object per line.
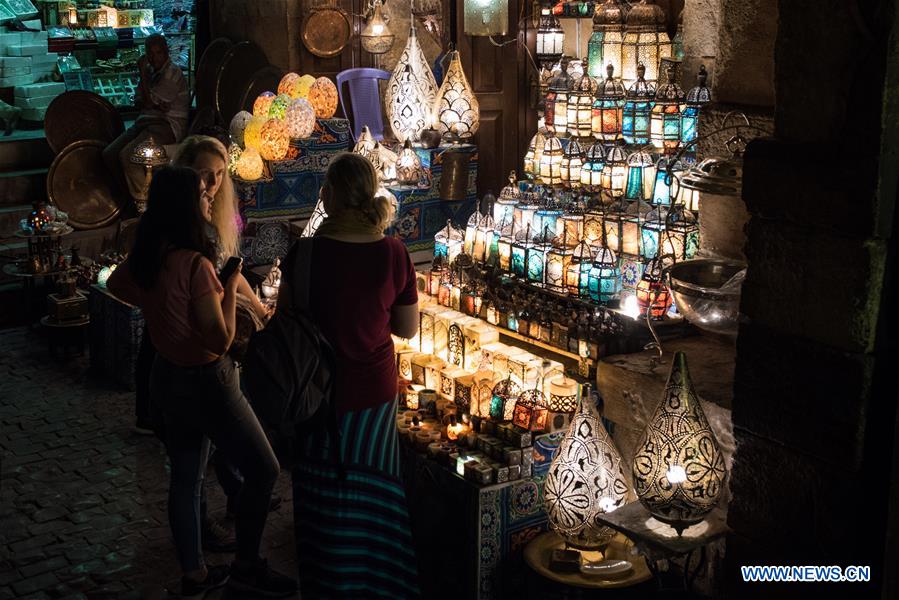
{"x":352,"y":289}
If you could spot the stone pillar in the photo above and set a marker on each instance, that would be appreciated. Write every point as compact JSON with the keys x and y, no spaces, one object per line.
{"x":701,"y":25}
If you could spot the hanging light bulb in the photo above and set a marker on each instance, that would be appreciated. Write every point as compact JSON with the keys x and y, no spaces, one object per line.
{"x":456,"y":107}
{"x":665,"y":121}
{"x":407,"y":112}
{"x":376,"y":36}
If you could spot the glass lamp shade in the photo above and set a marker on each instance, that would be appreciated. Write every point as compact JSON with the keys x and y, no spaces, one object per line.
{"x":471,"y":229}
{"x":252,"y":135}
{"x":548,"y":221}
{"x":505,"y":395}
{"x":504,"y":252}
{"x":523,"y":216}
{"x":550,"y":38}
{"x":580,"y":105}
{"x":604,"y":283}
{"x":614,"y":173}
{"x":263,"y":104}
{"x":551,"y":161}
{"x":288,"y":84}
{"x":651,"y":233}
{"x":679,"y":470}
{"x":578,"y":271}
{"x":238,"y":125}
{"x":149,"y":154}
{"x":530,"y":411}
{"x":408,"y":165}
{"x":652,"y":294}
{"x":456,"y":108}
{"x":641,"y":175}
{"x":667,"y":184}
{"x":300,"y":118}
{"x":519,"y":252}
{"x":447,"y":239}
{"x":535,"y":260}
{"x":275,"y":140}
{"x":572,"y":228}
{"x":646,"y":41}
{"x":323,"y":98}
{"x":413,"y":57}
{"x":486,"y":17}
{"x":689,"y":197}
{"x":592,"y":169}
{"x":607,"y":108}
{"x":585,"y":479}
{"x":665,"y":120}
{"x":697,"y":98}
{"x":300,"y":88}
{"x":407,"y":113}
{"x":376,"y":37}
{"x":635,"y":116}
{"x":681,"y":236}
{"x":279,"y":106}
{"x":613,"y":222}
{"x":504,"y":207}
{"x":249,"y":166}
{"x":604,"y":46}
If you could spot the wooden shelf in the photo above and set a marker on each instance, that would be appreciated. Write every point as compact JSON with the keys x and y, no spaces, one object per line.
{"x":540,"y":344}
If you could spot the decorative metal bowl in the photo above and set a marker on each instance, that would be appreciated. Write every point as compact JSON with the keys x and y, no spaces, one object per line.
{"x":699,"y":290}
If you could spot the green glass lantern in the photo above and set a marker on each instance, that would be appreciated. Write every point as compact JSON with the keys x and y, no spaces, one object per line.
{"x":635,"y":116}
{"x":572,"y":163}
{"x":641,"y":175}
{"x":535,"y":257}
{"x":580,"y":105}
{"x":604,"y":283}
{"x":614,"y":172}
{"x":665,"y":120}
{"x":651,"y":232}
{"x":605,"y":42}
{"x":592,"y":169}
{"x":607,"y":108}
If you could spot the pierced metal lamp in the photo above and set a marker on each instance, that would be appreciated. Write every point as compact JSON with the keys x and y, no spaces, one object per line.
{"x":149,"y":154}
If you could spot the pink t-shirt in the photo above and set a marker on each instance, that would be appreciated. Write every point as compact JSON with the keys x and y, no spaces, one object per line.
{"x":167,"y":307}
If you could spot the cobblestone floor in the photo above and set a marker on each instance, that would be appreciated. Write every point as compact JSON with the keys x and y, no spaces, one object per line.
{"x":82,"y":498}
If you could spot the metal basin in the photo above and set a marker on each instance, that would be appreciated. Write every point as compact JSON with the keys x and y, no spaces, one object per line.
{"x":697,"y":289}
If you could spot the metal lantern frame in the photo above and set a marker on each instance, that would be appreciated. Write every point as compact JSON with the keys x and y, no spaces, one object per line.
{"x":408,"y":165}
{"x":551,"y":161}
{"x":518,"y":261}
{"x":572,"y":163}
{"x":408,"y":113}
{"x":523,"y":214}
{"x":558,"y":259}
{"x":550,"y":38}
{"x":531,"y":412}
{"x":483,"y":239}
{"x":645,"y":42}
{"x":580,"y":105}
{"x":681,"y":236}
{"x":667,"y":182}
{"x":614,"y":172}
{"x":653,"y":296}
{"x":535,"y":258}
{"x":641,"y":176}
{"x":604,"y":284}
{"x":456,"y":110}
{"x":555,"y":106}
{"x":695,"y":102}
{"x":578,"y":272}
{"x":505,"y":393}
{"x":665,"y":119}
{"x":486,"y":18}
{"x":637,"y":112}
{"x":593,"y":168}
{"x":604,"y":46}
{"x":608,"y":107}
{"x":376,"y":37}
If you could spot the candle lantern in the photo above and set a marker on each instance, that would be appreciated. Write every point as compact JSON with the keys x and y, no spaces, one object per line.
{"x":580,"y":105}
{"x":652,"y":294}
{"x":681,"y":236}
{"x":454,"y":429}
{"x":697,"y":98}
{"x":504,"y":208}
{"x":536,"y":257}
{"x":448,"y":242}
{"x":471,"y":230}
{"x":408,"y":166}
{"x":505,"y":394}
{"x":665,"y":120}
{"x":551,"y":161}
{"x":410,"y":396}
{"x":550,"y":38}
{"x":562,"y":395}
{"x":646,"y":41}
{"x":456,"y":108}
{"x":641,"y":175}
{"x":376,"y":37}
{"x":604,"y":46}
{"x":614,"y":172}
{"x":604,"y":283}
{"x":578,"y":272}
{"x":667,"y":184}
{"x":572,"y":162}
{"x":607,"y":108}
{"x":408,"y":114}
{"x":592,"y":169}
{"x":530,"y":411}
{"x":519,"y":252}
{"x":679,"y":473}
{"x":635,"y":116}
{"x":558,"y":259}
{"x":555,"y":111}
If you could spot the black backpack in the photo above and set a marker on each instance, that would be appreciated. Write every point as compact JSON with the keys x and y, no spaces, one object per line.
{"x":288,"y":368}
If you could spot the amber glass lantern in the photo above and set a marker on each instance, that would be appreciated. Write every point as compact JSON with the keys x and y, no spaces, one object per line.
{"x":505,"y":395}
{"x":580,"y":105}
{"x":622,"y":226}
{"x":534,"y":153}
{"x":604,"y":47}
{"x":641,"y":175}
{"x":592,"y":169}
{"x":551,"y":161}
{"x":456,"y":108}
{"x":665,"y":120}
{"x":681,"y":237}
{"x":555,"y":112}
{"x":376,"y":37}
{"x":407,"y":113}
{"x":577,"y":273}
{"x":572,"y":225}
{"x":531,"y":411}
{"x":604,"y":281}
{"x":504,"y":252}
{"x":408,"y":166}
{"x":572,"y":161}
{"x":607,"y":108}
{"x":593,"y":220}
{"x":550,"y":38}
{"x":646,"y":41}
{"x":614,"y":172}
{"x":558,"y":259}
{"x":523,"y":214}
{"x":636,"y":115}
{"x":652,"y":294}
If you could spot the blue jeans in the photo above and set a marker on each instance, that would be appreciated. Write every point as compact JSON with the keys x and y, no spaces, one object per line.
{"x":199,"y":405}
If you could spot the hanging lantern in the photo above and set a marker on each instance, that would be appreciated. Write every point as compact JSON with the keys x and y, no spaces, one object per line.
{"x":551,"y":161}
{"x":681,"y":236}
{"x":580,"y":105}
{"x":456,"y":107}
{"x":665,"y":119}
{"x":652,"y":294}
{"x":697,"y":98}
{"x":604,"y":47}
{"x":550,"y":38}
{"x":413,"y":58}
{"x":238,"y":125}
{"x":519,"y":252}
{"x":408,"y":166}
{"x":666,"y":187}
{"x":407,"y":113}
{"x":608,"y":107}
{"x":593,"y":220}
{"x":604,"y":282}
{"x":641,"y":175}
{"x":635,"y":117}
{"x":679,"y":472}
{"x":505,"y":395}
{"x":593,"y":167}
{"x":572,"y":161}
{"x":578,"y":272}
{"x":614,"y":173}
{"x":555,"y":111}
{"x":323,"y":98}
{"x":585,"y":479}
{"x":504,"y":208}
{"x":486,"y":17}
{"x":448,"y":242}
{"x":646,"y":41}
{"x":300,"y":118}
{"x":249,"y":166}
{"x":530,"y":411}
{"x":376,"y":37}
{"x":263,"y":104}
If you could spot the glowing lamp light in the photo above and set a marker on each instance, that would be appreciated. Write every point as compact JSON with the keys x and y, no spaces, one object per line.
{"x":652,"y":294}
{"x":550,"y":38}
{"x":455,"y":429}
{"x":300,"y":88}
{"x":551,"y":161}
{"x":641,"y":175}
{"x":679,"y":475}
{"x":238,"y":125}
{"x":555,"y":112}
{"x":279,"y":106}
{"x":614,"y":172}
{"x":646,"y":41}
{"x":448,"y":242}
{"x":578,"y":272}
{"x":300,"y":118}
{"x":665,"y":119}
{"x":531,"y":411}
{"x":523,"y":215}
{"x":504,"y":207}
{"x":249,"y":166}
{"x":558,"y":259}
{"x":604,"y":280}
{"x":593,"y":223}
{"x":234,"y":152}
{"x":471,"y":230}
{"x":365,"y":144}
{"x":288,"y":84}
{"x":580,"y":105}
{"x":636,"y":114}
{"x":696,"y":100}
{"x":252,"y":135}
{"x":275,"y":140}
{"x":408,"y":166}
{"x":263,"y":104}
{"x":483,"y":240}
{"x":681,"y":236}
{"x":651,"y":233}
{"x":323,"y":98}
{"x":519,"y":252}
{"x":456,"y":108}
{"x":572,"y":161}
{"x":376,"y":37}
{"x":103,"y":275}
{"x":407,"y":112}
{"x":486,"y":17}
{"x":604,"y":46}
{"x":667,"y":183}
{"x":505,"y":395}
{"x":534,"y":153}
{"x":593,"y":167}
{"x":608,"y":107}
{"x":535,"y":257}
{"x":413,"y":57}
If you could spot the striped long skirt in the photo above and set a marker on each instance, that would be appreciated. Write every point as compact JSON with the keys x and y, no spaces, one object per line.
{"x":353,"y":536}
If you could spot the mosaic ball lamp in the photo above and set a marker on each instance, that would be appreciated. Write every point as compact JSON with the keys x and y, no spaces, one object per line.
{"x":275,"y":140}
{"x":679,"y":470}
{"x":585,"y":480}
{"x":279,"y":106}
{"x":252,"y":135}
{"x":249,"y":167}
{"x":288,"y":83}
{"x":502,"y":403}
{"x":300,"y":88}
{"x":234,"y":152}
{"x":456,"y":108}
{"x":238,"y":125}
{"x":300,"y":118}
{"x":263,"y":104}
{"x":323,"y":98}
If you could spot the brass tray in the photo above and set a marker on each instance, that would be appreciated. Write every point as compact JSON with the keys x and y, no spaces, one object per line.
{"x":80,"y":115}
{"x":80,"y":184}
{"x":265,"y":79}
{"x":238,"y":66}
{"x":326,"y":31}
{"x":208,"y":69}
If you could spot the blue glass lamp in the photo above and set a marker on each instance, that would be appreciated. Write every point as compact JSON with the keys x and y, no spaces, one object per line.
{"x":635,"y":117}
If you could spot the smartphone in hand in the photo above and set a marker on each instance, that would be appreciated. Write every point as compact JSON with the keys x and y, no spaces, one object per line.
{"x":228,"y":270}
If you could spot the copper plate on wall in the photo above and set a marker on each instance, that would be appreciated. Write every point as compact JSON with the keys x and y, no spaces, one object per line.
{"x":80,"y":115}
{"x":80,"y":184}
{"x":265,"y":79}
{"x":208,"y":69}
{"x":326,"y":32}
{"x":238,"y":66}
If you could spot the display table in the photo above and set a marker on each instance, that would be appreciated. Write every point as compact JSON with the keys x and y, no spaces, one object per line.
{"x":65,"y":338}
{"x":116,"y":330}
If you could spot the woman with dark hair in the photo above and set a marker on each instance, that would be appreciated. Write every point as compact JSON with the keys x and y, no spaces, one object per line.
{"x":191,"y":321}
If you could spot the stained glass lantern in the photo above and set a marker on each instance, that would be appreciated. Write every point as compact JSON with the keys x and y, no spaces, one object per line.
{"x":604,"y":283}
{"x":550,"y":38}
{"x":486,"y":17}
{"x":665,"y":120}
{"x":530,"y":411}
{"x":413,"y":57}
{"x":593,"y":167}
{"x":641,"y":175}
{"x":577,"y":274}
{"x":448,"y":242}
{"x":275,"y":140}
{"x":607,"y":108}
{"x":523,"y":214}
{"x":288,"y":84}
{"x":555,"y":111}
{"x":687,"y":196}
{"x":238,"y":125}
{"x":621,"y":225}
{"x":667,"y":184}
{"x":408,"y":166}
{"x":252,"y":135}
{"x":580,"y":105}
{"x":263,"y":104}
{"x":471,"y":230}
{"x":572,"y":161}
{"x":455,"y":347}
{"x":537,"y":253}
{"x":323,"y":98}
{"x":483,"y":239}
{"x":585,"y":480}
{"x":504,"y":252}
{"x":679,"y":470}
{"x":376,"y":37}
{"x":504,"y":208}
{"x":300,"y":118}
{"x":604,"y":46}
{"x":505,"y":395}
{"x":646,"y":41}
{"x":614,"y":173}
{"x":249,"y":166}
{"x":365,"y":144}
{"x":696,"y":100}
{"x":407,"y":113}
{"x":681,"y":237}
{"x":593,"y":220}
{"x":535,"y":153}
{"x":519,"y":252}
{"x":482,"y":397}
{"x":636,"y":115}
{"x":558,"y":260}
{"x":651,"y":232}
{"x":551,"y":161}
{"x":572,"y":229}
{"x":279,"y":106}
{"x":456,"y":108}
{"x":652,"y":293}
